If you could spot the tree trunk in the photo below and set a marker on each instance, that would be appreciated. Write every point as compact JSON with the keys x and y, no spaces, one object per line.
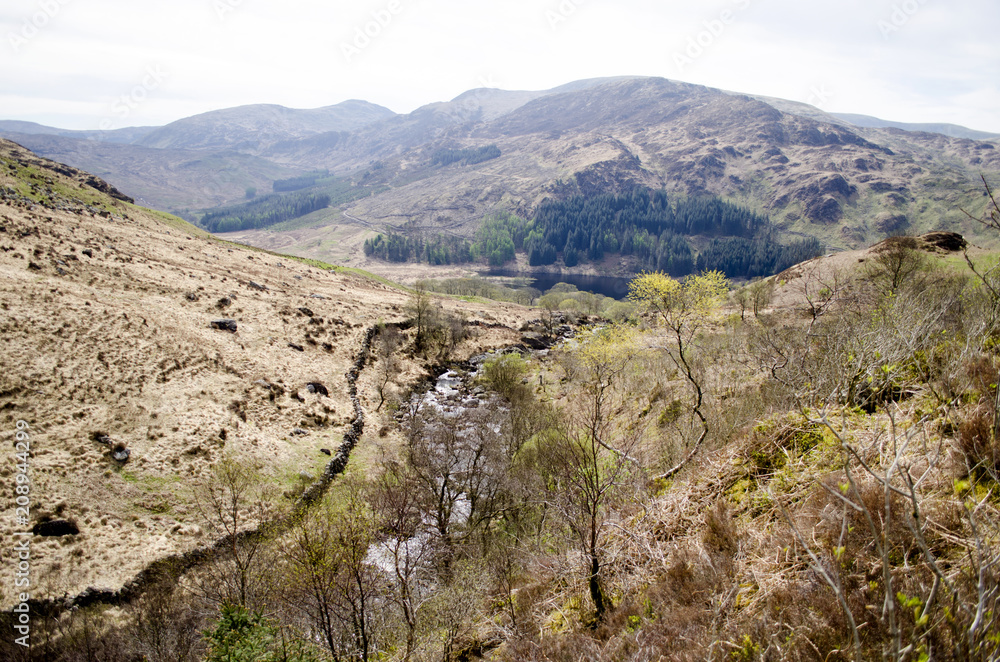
{"x":596,"y":591}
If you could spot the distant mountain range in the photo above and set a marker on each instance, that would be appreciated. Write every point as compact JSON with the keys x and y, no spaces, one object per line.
{"x":848,"y":179}
{"x":953,"y":130}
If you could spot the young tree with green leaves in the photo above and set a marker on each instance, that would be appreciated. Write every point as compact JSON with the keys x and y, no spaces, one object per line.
{"x":683,"y":308}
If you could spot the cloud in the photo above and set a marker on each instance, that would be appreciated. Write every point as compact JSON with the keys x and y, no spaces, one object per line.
{"x":936,"y":59}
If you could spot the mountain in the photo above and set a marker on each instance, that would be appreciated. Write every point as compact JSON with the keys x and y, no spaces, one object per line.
{"x":845,"y":184}
{"x":953,"y":130}
{"x":249,"y":128}
{"x":164,"y":178}
{"x":812,"y":173}
{"x":125,"y":135}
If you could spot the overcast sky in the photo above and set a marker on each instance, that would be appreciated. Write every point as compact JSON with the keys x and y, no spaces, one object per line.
{"x":87,"y":64}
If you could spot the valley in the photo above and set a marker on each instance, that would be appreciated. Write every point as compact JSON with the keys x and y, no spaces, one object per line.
{"x":318,"y":434}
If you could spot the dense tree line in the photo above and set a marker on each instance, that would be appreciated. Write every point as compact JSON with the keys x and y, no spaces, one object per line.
{"x":752,"y":258}
{"x":644,"y":224}
{"x":467,"y":156}
{"x":436,"y":250}
{"x":263,"y":212}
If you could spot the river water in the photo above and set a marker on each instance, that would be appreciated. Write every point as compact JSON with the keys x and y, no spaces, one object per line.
{"x":610,"y":286}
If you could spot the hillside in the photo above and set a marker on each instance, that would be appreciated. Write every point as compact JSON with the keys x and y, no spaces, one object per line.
{"x":107,"y":312}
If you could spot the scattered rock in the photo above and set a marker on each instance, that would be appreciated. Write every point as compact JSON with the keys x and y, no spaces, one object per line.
{"x":104,"y":187}
{"x":56,"y":528}
{"x":325,"y":451}
{"x":120,"y":453}
{"x":224,"y":302}
{"x":306,"y":312}
{"x":88,"y":252}
{"x":299,"y":432}
{"x":191,"y":296}
{"x":534,"y":341}
{"x":257,"y":286}
{"x":297,"y":348}
{"x":317,"y":387}
{"x":225,"y":325}
{"x":34,"y":267}
{"x":317,"y":296}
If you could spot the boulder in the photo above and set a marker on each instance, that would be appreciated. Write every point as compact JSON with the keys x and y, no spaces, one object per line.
{"x":120,"y":453}
{"x":317,"y":387}
{"x":55,"y":528}
{"x":534,"y":341}
{"x":225,"y":325}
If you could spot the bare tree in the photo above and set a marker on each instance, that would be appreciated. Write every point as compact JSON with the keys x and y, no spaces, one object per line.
{"x":332,"y":583}
{"x":591,"y":459}
{"x":235,"y":505}
{"x":386,"y":361}
{"x":398,"y":516}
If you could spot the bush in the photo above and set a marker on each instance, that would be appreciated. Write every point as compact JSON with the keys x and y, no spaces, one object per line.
{"x":504,"y":374}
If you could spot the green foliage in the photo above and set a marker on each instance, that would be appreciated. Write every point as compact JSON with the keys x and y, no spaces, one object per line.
{"x":678,"y":304}
{"x":244,"y":636}
{"x":263,"y":212}
{"x":437,"y":250}
{"x":747,"y":651}
{"x":499,"y":237}
{"x":642,"y":223}
{"x":738,"y":257}
{"x":504,"y":373}
{"x":479,"y":287}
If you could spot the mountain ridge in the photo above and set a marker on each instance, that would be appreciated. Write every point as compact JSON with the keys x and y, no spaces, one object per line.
{"x":813,"y":173}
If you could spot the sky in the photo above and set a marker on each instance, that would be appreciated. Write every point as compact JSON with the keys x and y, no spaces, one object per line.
{"x":89,"y":64}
